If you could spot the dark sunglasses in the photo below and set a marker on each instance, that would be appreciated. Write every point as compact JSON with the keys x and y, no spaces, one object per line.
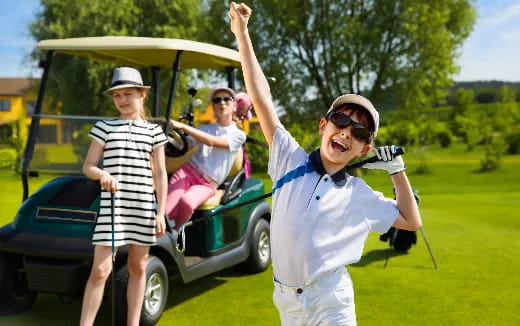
{"x":217,"y":100}
{"x":341,"y":120}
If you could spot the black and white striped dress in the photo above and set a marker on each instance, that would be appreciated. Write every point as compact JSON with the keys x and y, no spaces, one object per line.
{"x":127,"y":150}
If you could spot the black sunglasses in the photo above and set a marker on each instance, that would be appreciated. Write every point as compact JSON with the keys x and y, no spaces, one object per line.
{"x":217,"y":100}
{"x":341,"y":120}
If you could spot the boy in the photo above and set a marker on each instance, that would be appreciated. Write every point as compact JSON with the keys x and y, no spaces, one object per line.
{"x":321,"y":216}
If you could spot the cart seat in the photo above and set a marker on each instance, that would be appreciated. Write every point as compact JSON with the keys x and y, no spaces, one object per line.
{"x":231,"y":187}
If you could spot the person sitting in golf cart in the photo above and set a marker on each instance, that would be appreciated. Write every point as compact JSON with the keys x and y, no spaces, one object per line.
{"x":197,"y":180}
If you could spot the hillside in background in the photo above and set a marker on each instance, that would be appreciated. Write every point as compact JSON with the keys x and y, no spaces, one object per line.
{"x":486,"y":91}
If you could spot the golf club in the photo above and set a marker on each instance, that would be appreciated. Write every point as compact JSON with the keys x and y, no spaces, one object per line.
{"x":113,"y":260}
{"x":181,"y":248}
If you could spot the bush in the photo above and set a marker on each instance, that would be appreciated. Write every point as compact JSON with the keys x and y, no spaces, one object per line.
{"x":513,"y":142}
{"x":403,"y":133}
{"x":493,"y":155}
{"x":445,"y":137}
{"x":7,"y":158}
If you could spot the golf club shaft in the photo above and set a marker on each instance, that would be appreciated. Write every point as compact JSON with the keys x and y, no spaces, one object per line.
{"x":113,"y":260}
{"x":428,"y":246}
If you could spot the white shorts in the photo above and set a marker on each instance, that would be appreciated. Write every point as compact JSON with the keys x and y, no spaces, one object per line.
{"x":327,"y":301}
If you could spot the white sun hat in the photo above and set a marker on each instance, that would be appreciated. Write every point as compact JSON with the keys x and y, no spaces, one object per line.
{"x":125,"y":77}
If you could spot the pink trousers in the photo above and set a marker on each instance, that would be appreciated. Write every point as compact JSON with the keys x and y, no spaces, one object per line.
{"x":187,"y":190}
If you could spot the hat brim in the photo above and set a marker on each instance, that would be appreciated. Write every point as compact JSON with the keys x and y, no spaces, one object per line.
{"x":125,"y":86}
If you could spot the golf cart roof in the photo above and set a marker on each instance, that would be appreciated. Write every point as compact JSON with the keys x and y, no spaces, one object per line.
{"x":145,"y":51}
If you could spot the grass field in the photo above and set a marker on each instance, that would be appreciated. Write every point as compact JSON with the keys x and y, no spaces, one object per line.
{"x":472,"y":223}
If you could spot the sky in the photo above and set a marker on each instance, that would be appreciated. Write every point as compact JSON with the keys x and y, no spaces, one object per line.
{"x":491,"y":52}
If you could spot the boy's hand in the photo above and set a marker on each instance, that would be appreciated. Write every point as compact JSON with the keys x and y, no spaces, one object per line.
{"x":239,"y":16}
{"x":387,"y":161}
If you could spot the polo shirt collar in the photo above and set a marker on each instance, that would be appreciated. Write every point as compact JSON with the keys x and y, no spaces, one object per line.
{"x":339,"y":178}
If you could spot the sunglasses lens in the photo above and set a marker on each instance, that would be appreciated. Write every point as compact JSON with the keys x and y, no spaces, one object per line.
{"x":217,"y":100}
{"x":341,"y":120}
{"x":360,"y":133}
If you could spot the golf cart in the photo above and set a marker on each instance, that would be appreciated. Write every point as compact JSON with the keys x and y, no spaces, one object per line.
{"x":47,"y":248}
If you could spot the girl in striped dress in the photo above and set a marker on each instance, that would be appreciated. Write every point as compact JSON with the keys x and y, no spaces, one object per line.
{"x":131,"y":149}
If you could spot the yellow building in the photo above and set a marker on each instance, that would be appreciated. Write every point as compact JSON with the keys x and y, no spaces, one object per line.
{"x":18,"y":96}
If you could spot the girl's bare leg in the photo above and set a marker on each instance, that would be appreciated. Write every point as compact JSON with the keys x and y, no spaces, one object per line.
{"x":101,"y":268}
{"x":137,"y":258}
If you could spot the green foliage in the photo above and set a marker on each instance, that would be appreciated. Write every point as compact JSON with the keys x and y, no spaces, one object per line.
{"x":493,"y":154}
{"x":81,"y":141}
{"x":403,"y":133}
{"x":7,"y":157}
{"x":74,"y":78}
{"x":258,"y":156}
{"x":306,"y":135}
{"x":400,"y":53}
{"x":19,"y":139}
{"x":513,"y":142}
{"x":445,"y":137}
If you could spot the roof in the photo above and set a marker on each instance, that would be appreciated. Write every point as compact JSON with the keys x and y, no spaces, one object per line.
{"x":146,"y":51}
{"x":15,"y":86}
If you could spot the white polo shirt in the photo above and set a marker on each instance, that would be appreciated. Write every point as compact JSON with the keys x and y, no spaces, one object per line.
{"x":319,"y":222}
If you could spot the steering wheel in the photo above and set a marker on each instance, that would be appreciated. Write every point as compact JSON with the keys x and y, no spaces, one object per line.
{"x":177,"y":144}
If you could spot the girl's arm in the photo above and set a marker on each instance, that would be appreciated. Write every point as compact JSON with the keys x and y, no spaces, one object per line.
{"x":200,"y":136}
{"x":409,"y":217}
{"x":91,"y":169}
{"x":161,"y":187}
{"x":256,"y":83}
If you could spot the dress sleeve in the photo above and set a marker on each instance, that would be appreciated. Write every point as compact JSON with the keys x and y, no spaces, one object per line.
{"x":159,"y":138}
{"x":99,"y":133}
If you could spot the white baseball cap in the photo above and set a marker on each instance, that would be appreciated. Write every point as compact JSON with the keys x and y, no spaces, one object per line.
{"x":125,"y":77}
{"x":361,"y":101}
{"x":225,"y":89}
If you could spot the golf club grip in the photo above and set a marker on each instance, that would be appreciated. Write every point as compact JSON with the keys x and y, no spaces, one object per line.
{"x":398,"y":151}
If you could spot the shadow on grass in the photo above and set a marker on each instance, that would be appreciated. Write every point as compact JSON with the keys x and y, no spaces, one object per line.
{"x":180,"y":292}
{"x":378,"y":255}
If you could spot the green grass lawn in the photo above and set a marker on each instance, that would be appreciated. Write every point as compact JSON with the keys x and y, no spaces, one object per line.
{"x":472,"y":223}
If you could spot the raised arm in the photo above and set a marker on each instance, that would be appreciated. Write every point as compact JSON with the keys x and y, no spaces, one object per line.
{"x":256,"y":83}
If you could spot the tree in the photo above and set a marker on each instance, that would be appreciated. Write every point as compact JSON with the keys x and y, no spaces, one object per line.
{"x":79,"y":83}
{"x":399,"y":53}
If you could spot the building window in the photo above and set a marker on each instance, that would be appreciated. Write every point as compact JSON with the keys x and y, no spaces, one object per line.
{"x":5,"y":105}
{"x":30,"y":106}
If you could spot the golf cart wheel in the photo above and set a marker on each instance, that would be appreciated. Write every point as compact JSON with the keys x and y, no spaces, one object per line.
{"x":259,"y":249}
{"x":15,"y":296}
{"x":155,"y":293}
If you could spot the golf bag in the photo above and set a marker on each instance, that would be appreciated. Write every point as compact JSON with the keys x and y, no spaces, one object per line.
{"x":401,"y":240}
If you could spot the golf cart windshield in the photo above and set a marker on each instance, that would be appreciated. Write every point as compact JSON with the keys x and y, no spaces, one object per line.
{"x":59,"y":142}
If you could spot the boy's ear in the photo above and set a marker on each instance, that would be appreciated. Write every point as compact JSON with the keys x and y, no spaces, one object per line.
{"x":322,"y":124}
{"x":366,"y":149}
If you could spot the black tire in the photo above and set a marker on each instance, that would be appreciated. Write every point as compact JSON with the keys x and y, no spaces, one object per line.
{"x":259,"y":249}
{"x":15,"y":296}
{"x":156,"y":292}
